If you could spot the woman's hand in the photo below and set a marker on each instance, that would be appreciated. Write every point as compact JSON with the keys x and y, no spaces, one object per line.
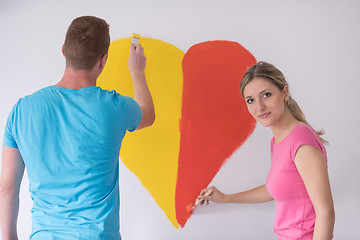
{"x":215,"y":196}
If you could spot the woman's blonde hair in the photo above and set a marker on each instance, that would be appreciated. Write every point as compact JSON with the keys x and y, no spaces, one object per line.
{"x":271,"y":73}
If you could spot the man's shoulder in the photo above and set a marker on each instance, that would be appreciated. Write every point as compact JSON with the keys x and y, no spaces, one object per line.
{"x":35,"y":95}
{"x":114,"y":94}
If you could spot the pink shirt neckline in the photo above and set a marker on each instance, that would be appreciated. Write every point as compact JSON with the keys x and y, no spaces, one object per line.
{"x":289,"y":134}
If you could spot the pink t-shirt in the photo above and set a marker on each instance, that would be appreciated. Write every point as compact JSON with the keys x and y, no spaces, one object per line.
{"x":295,"y":214}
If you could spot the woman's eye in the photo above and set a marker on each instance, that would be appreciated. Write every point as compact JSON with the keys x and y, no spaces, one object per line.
{"x":249,"y":101}
{"x":267,"y":94}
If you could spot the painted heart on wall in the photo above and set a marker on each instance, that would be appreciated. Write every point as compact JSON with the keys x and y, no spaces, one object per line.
{"x":201,"y":118}
{"x":215,"y":120}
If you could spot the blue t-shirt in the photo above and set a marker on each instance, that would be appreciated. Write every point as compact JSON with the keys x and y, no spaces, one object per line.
{"x":70,"y":140}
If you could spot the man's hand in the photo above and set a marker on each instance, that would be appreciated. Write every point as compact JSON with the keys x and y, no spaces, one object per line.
{"x":137,"y":60}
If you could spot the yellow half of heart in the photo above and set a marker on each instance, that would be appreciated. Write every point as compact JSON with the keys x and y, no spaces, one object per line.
{"x":152,"y":153}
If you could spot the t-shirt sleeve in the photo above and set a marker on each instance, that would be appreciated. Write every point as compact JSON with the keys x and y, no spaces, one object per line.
{"x":132,"y":114}
{"x":9,"y":140}
{"x":304,"y":136}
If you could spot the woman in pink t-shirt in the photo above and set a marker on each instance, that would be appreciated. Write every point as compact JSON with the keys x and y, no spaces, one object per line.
{"x":298,"y":178}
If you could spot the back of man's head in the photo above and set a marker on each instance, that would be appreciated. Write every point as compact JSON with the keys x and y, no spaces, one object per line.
{"x":86,"y":41}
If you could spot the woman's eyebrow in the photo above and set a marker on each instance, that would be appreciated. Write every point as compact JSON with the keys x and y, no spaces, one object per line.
{"x":259,"y":93}
{"x":264,"y":90}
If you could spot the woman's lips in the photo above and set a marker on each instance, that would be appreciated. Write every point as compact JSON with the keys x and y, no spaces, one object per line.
{"x":264,"y":115}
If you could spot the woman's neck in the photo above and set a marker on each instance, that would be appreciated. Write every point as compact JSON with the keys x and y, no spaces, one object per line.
{"x":284,"y":126}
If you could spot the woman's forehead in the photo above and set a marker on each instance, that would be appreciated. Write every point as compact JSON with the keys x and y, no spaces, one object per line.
{"x":257,"y":85}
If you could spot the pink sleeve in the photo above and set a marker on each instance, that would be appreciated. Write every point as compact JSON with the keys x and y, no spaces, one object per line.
{"x":304,"y":135}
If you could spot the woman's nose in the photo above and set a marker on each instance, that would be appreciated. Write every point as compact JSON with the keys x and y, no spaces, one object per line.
{"x":261,"y":105}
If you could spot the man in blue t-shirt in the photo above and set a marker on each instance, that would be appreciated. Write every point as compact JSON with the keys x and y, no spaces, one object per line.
{"x":68,"y":136}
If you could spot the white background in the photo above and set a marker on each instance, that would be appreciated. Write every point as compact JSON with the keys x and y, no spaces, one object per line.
{"x":314,"y":43}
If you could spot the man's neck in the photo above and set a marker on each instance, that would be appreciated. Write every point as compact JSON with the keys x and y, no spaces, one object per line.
{"x":77,"y":79}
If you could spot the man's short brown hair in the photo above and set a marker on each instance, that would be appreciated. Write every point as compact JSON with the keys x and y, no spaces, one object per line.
{"x":86,"y":41}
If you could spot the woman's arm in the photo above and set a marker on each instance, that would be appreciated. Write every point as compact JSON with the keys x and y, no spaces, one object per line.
{"x":255,"y":195}
{"x":312,"y":167}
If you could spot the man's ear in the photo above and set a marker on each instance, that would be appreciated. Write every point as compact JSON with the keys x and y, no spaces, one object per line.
{"x":62,"y":50}
{"x":103,"y":60}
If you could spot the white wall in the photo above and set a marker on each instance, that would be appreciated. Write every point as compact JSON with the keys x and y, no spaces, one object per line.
{"x":315,"y":44}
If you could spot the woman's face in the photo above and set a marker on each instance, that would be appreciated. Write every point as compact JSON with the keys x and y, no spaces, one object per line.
{"x":265,"y":102}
